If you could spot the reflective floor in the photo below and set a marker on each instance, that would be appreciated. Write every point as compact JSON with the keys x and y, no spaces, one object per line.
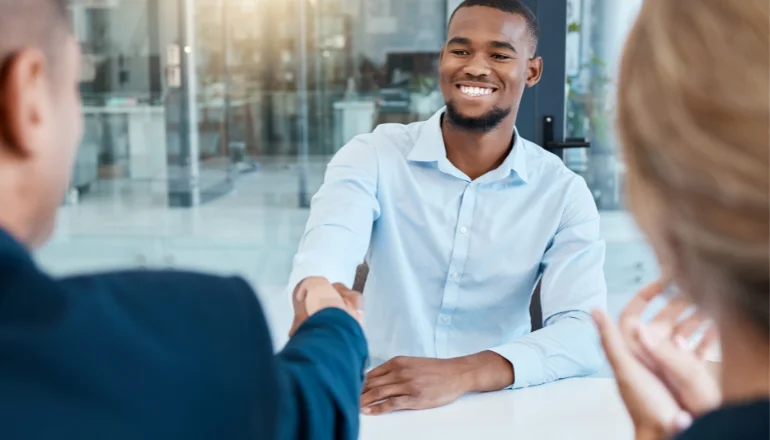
{"x":253,"y":232}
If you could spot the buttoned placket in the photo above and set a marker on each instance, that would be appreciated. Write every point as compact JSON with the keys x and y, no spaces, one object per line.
{"x":459,"y":257}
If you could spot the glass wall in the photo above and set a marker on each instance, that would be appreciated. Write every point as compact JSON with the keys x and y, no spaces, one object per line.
{"x":596,"y":30}
{"x":209,"y":124}
{"x":366,"y":62}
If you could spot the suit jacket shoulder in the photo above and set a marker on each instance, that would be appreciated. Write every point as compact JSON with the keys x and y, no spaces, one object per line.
{"x":188,"y":355}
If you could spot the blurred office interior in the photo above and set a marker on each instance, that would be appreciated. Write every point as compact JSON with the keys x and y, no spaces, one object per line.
{"x":209,"y":124}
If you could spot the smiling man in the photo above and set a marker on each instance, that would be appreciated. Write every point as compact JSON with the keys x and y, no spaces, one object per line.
{"x":459,"y":218}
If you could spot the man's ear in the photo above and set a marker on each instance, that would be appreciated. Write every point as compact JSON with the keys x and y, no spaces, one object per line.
{"x":534,"y":71}
{"x":23,"y":98}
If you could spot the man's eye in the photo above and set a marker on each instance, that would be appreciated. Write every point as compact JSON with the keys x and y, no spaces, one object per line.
{"x":501,"y":57}
{"x":460,"y":52}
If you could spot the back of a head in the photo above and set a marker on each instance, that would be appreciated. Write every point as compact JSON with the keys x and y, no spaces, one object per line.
{"x":40,"y":118}
{"x":694,"y":116}
{"x":30,"y":24}
{"x":512,"y":7}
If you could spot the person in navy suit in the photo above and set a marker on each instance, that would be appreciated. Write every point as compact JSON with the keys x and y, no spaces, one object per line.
{"x":139,"y":355}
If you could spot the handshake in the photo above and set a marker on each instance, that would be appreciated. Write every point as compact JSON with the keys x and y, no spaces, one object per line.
{"x":315,"y":294}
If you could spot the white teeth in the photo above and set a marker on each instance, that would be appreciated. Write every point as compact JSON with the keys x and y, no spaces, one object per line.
{"x":475,"y":91}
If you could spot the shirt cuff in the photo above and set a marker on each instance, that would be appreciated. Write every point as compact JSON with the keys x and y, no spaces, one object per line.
{"x":527,"y":366}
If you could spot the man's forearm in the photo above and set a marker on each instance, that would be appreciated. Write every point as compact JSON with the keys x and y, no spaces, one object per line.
{"x":486,"y":371}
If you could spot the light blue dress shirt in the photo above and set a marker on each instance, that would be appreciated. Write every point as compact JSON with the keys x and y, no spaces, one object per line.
{"x":454,"y":262}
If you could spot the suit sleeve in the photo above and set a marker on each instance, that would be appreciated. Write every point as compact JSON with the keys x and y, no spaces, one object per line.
{"x":311,"y":389}
{"x":321,"y":373}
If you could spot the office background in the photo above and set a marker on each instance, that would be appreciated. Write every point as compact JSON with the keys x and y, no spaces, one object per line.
{"x":209,"y":124}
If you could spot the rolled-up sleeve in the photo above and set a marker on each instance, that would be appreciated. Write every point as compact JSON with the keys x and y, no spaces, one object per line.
{"x":342,"y":213}
{"x":572,"y":285}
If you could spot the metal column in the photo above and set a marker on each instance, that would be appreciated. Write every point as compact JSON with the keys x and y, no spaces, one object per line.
{"x":304,"y":116}
{"x":182,"y":108}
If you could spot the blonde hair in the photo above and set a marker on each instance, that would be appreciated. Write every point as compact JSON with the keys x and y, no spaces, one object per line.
{"x":694,"y":120}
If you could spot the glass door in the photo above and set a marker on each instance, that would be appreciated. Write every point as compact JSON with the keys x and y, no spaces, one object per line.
{"x":596,"y":30}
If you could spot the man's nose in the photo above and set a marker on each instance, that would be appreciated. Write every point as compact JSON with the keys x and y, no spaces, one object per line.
{"x":477,"y":66}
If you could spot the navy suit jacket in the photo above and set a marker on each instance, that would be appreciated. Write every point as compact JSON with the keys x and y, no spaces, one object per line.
{"x":165,"y":355}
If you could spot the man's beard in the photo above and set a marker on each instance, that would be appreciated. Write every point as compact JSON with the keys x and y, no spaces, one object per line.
{"x":482,"y":124}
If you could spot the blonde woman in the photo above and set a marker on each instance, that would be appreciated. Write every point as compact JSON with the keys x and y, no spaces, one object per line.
{"x":694,"y":121}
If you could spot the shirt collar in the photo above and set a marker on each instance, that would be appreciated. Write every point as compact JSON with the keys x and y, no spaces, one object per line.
{"x":516,"y":162}
{"x":429,"y":147}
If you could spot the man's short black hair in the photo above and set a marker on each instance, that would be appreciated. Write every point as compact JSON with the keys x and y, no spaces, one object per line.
{"x":511,"y":7}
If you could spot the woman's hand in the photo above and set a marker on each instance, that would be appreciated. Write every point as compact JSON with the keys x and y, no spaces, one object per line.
{"x":663,"y":382}
{"x":677,"y":321}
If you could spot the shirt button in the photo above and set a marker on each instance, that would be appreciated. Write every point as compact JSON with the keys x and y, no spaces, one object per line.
{"x":445,"y":319}
{"x":463,"y":230}
{"x":455,"y":276}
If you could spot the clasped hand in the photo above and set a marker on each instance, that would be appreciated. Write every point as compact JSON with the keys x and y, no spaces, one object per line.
{"x":316,"y":294}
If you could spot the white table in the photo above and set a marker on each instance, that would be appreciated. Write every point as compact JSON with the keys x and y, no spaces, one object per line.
{"x":574,"y":409}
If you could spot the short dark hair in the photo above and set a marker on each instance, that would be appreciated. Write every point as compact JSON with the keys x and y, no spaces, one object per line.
{"x":512,"y":7}
{"x":26,"y":23}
